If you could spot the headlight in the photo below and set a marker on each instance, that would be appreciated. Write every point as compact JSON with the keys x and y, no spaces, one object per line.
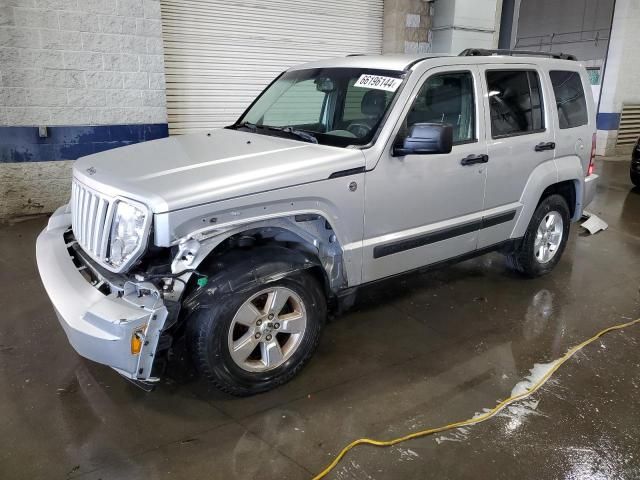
{"x":127,"y":233}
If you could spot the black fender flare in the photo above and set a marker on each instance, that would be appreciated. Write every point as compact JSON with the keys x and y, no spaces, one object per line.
{"x":241,"y":270}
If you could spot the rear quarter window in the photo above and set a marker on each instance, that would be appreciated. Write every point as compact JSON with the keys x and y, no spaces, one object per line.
{"x":570,"y":101}
{"x":515,"y":102}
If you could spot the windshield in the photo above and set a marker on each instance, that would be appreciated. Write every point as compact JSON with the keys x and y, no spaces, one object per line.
{"x":333,"y":106}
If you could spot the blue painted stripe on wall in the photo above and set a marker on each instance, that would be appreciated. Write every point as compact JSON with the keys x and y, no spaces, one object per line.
{"x":607,"y":121}
{"x":22,"y":144}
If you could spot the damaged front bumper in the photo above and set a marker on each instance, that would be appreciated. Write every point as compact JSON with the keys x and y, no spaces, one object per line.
{"x":101,"y":319}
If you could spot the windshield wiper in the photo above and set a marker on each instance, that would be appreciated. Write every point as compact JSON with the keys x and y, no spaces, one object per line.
{"x":301,"y":134}
{"x":251,"y":126}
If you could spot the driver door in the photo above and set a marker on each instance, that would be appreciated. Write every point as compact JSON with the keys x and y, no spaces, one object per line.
{"x":423,"y":209}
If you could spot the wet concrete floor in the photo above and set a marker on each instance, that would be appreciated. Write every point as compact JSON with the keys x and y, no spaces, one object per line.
{"x":416,"y":352}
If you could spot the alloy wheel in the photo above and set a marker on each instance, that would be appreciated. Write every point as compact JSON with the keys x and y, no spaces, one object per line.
{"x":548,"y":237}
{"x":267,"y":329}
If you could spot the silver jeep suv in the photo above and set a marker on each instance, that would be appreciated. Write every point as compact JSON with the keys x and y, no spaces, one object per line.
{"x":342,"y":172}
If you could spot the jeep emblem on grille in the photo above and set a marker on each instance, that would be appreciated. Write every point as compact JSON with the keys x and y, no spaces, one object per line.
{"x":91,"y":170}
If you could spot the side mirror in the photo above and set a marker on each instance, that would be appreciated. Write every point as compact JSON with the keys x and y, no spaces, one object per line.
{"x":425,"y":139}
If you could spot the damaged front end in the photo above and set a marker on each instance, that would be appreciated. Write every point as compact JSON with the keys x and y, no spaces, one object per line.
{"x":128,"y":321}
{"x":113,"y":319}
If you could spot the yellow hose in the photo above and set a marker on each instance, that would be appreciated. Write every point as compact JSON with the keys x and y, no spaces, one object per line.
{"x":480,"y":418}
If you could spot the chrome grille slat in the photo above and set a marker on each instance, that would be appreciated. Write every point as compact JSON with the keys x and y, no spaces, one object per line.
{"x":93,"y":211}
{"x":91,"y":214}
{"x":86,"y":198}
{"x":106,"y":230}
{"x":74,"y":196}
{"x":77,"y":228}
{"x":75,"y":202}
{"x":99,"y":226}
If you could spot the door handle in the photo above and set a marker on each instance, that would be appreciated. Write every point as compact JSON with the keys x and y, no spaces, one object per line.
{"x":541,"y":147}
{"x":473,"y":159}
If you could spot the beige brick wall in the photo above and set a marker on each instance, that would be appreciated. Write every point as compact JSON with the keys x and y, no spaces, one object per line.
{"x":80,"y":62}
{"x":406,"y":26}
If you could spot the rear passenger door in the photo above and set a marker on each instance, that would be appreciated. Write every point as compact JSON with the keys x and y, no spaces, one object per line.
{"x":575,"y":124}
{"x":520,"y":139}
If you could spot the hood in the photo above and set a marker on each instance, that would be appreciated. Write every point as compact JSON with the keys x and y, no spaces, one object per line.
{"x":187,"y":170}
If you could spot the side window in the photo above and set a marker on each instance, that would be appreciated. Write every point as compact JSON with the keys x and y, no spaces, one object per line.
{"x":515,"y":102}
{"x":570,"y":101}
{"x":447,"y":98}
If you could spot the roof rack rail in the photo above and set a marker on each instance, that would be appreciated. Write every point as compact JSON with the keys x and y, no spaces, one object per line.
{"x":484,"y":52}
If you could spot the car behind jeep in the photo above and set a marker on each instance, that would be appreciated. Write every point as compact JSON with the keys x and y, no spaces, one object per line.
{"x":341,"y":173}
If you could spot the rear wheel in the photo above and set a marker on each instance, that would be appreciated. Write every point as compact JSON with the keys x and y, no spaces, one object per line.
{"x":256,"y":340}
{"x":545,"y":238}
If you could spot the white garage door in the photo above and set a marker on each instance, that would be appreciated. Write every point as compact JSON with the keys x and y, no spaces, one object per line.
{"x":219,"y":54}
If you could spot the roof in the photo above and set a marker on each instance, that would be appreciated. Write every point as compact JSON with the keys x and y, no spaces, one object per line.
{"x":402,"y":62}
{"x":383,"y":62}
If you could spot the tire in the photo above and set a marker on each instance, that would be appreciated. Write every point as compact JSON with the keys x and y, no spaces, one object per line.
{"x":527,"y":258}
{"x":215,"y":330}
{"x":635,"y":178}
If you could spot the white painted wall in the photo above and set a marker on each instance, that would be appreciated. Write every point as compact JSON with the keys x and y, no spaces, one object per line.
{"x":462,"y":24}
{"x":620,"y":84}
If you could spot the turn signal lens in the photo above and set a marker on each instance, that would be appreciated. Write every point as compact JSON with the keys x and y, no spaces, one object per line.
{"x":136,"y":341}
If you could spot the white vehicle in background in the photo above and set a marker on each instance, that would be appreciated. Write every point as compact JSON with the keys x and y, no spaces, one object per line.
{"x":342,"y":172}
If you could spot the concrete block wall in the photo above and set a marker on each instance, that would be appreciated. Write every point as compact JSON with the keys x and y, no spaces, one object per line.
{"x":81,"y":64}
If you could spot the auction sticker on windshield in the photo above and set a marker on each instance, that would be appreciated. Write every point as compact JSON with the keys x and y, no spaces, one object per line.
{"x":378,"y":82}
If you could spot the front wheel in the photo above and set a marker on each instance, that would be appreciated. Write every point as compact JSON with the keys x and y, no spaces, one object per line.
{"x":256,"y":340}
{"x":635,"y":178}
{"x":545,"y":238}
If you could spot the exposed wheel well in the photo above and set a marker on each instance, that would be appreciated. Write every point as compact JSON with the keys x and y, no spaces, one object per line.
{"x":311,"y":235}
{"x":566,"y":189}
{"x":249,"y":240}
{"x":264,"y":253}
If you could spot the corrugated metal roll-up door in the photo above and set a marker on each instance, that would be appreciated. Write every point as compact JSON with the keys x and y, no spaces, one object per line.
{"x":220,"y":54}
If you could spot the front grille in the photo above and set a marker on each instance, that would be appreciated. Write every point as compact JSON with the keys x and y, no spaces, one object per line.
{"x":91,"y":214}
